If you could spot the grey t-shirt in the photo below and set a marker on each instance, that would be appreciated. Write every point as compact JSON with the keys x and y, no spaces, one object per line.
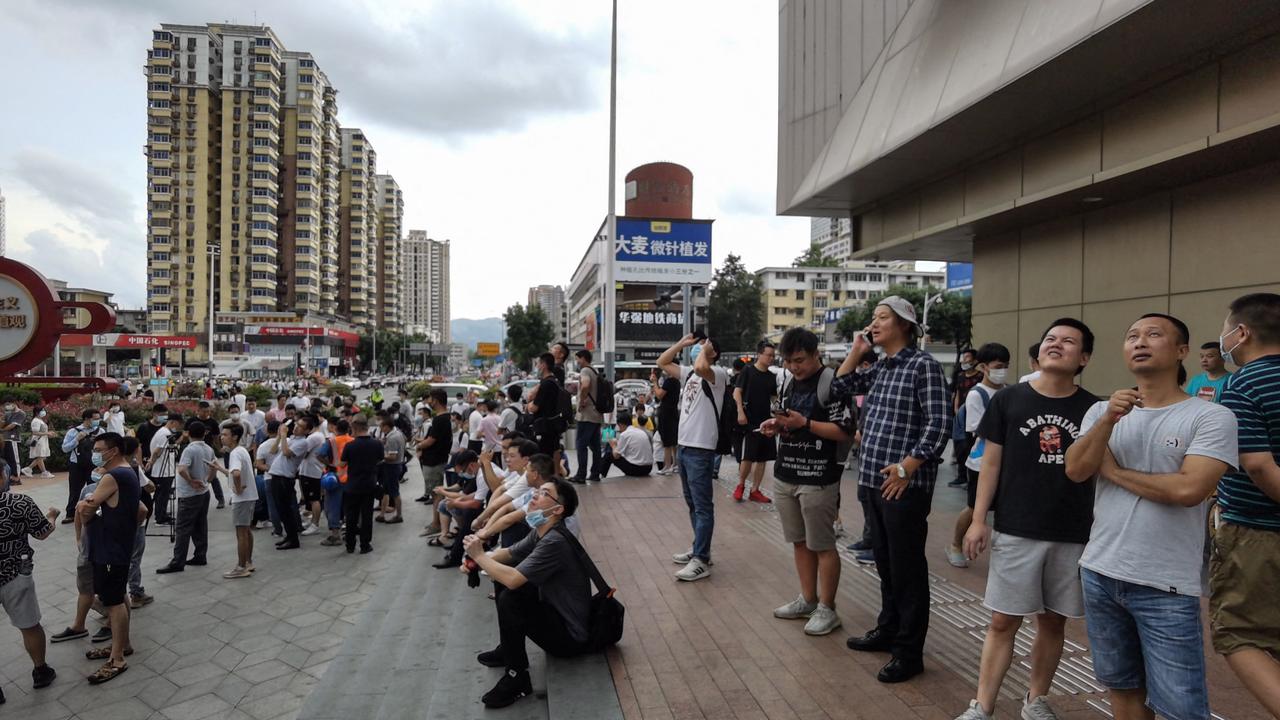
{"x":393,"y":444}
{"x":18,"y":418}
{"x":551,"y":564}
{"x":195,"y":458}
{"x":1142,"y":541}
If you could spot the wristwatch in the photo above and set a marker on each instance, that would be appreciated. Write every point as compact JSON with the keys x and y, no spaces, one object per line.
{"x":902,"y":472}
{"x":808,"y":424}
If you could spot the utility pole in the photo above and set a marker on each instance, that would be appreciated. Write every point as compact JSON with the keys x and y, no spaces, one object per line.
{"x":215,"y":250}
{"x":607,"y":327}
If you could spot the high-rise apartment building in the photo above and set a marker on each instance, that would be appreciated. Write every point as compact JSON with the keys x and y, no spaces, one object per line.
{"x":358,"y":212}
{"x":387,"y":257}
{"x":551,"y":299}
{"x":424,"y":277}
{"x":244,"y":156}
{"x":2,"y":239}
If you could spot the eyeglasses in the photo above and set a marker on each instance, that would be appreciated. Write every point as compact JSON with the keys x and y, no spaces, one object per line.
{"x":545,"y":493}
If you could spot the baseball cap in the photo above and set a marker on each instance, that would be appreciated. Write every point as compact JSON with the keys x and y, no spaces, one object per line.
{"x":902,"y":308}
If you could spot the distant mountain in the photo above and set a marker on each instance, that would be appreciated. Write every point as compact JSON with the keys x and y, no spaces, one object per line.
{"x":469,"y":332}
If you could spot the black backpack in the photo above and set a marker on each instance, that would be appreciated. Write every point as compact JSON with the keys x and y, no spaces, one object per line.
{"x":564,"y":410}
{"x":603,"y":400}
{"x":524,"y":422}
{"x":606,"y":614}
{"x":726,"y":422}
{"x":84,"y":449}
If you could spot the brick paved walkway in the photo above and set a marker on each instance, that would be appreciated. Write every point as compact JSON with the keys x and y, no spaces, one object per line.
{"x":712,"y":649}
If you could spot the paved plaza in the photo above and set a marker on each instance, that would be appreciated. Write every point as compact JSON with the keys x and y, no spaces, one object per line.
{"x":317,"y":633}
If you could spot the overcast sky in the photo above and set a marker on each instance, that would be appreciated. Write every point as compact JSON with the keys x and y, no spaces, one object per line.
{"x":492,"y":116}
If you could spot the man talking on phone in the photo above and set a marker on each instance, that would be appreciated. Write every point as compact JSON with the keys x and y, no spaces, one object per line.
{"x":902,"y":439}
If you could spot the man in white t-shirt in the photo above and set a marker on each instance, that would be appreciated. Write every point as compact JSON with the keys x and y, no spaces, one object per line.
{"x":631,"y":451}
{"x":244,"y":496}
{"x":702,"y":394}
{"x":1157,"y":454}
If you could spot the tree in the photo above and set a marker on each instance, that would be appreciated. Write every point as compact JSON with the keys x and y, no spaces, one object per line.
{"x":949,"y":320}
{"x":529,"y":332}
{"x":735,"y":309}
{"x":813,"y":258}
{"x":390,"y":345}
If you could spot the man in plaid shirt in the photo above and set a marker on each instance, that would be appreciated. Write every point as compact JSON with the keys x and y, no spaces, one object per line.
{"x":902,"y":440}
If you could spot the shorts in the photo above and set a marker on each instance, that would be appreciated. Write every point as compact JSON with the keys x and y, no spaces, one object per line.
{"x":18,"y":598}
{"x":758,"y":448}
{"x":389,"y":478}
{"x":84,"y":577}
{"x":310,"y":488}
{"x":1244,"y":582}
{"x":971,"y":489}
{"x":109,"y":583}
{"x":1028,"y":577}
{"x":808,"y":513}
{"x":1143,"y":637}
{"x":443,"y":508}
{"x":549,"y":443}
{"x":242,"y":513}
{"x":432,"y":476}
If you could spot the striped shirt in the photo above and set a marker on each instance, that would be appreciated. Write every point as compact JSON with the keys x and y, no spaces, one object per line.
{"x":1254,"y":396}
{"x":905,"y":414}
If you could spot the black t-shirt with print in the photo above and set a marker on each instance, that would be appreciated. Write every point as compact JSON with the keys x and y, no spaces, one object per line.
{"x":1035,"y":498}
{"x":805,"y":458}
{"x":442,"y":430}
{"x":670,"y":402}
{"x":758,"y":388}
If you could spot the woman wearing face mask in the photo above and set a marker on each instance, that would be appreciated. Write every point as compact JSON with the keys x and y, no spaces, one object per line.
{"x":115,"y":418}
{"x":40,"y":435}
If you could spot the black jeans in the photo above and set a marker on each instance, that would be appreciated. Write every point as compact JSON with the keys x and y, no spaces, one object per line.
{"x":282,"y":488}
{"x":587,"y":440}
{"x":899,"y":533}
{"x":192,"y":528}
{"x":521,"y":615}
{"x":357,"y":512}
{"x":217,"y":488}
{"x":76,"y":480}
{"x":164,"y":489}
{"x":628,"y":469}
{"x":462,"y":518}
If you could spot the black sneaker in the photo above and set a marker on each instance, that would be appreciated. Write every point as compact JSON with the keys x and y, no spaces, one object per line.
{"x":514,"y":685}
{"x":197,"y":562}
{"x":170,"y":568}
{"x":491,"y":658}
{"x":860,"y":546}
{"x":42,"y":677}
{"x":103,"y":635}
{"x":68,"y":634}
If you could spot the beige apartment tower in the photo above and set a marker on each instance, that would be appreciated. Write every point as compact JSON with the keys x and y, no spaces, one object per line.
{"x":387,"y":255}
{"x":1095,"y":160}
{"x":424,"y":278}
{"x":244,"y":154}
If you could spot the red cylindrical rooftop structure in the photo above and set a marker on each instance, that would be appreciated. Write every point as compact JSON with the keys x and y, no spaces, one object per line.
{"x":660,"y":190}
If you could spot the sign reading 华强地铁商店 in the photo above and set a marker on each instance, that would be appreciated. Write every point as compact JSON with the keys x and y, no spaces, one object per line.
{"x":663,"y":251}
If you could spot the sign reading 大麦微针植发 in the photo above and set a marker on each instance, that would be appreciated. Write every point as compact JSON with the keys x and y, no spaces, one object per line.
{"x":663,"y":251}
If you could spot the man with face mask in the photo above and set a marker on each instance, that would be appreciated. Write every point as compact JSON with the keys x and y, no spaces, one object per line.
{"x":545,"y":592}
{"x":806,"y":486}
{"x":1244,"y":578}
{"x":14,"y":419}
{"x":235,"y":417}
{"x":78,"y":444}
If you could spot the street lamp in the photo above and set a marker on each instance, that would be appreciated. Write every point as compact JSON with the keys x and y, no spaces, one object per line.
{"x":924,"y":325}
{"x":215,"y":251}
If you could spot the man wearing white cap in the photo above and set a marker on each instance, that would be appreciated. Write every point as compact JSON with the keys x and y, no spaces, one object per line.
{"x":902,"y":440}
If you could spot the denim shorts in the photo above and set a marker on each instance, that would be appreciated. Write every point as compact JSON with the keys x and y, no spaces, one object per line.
{"x":1141,"y":637}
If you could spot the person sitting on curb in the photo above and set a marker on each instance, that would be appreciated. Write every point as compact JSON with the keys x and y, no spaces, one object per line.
{"x":631,"y":451}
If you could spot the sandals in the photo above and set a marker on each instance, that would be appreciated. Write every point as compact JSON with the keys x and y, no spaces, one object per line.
{"x":103,"y":653}
{"x":435,"y":542}
{"x":107,"y":672}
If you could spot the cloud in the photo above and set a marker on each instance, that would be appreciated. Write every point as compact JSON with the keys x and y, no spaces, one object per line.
{"x":745,"y":201}
{"x":90,"y":197}
{"x":451,"y":68}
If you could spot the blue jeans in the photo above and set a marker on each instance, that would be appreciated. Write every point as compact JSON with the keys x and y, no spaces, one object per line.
{"x":1142,"y":637}
{"x":333,"y":507}
{"x":587,"y":438}
{"x":273,"y":511}
{"x":696,"y":481}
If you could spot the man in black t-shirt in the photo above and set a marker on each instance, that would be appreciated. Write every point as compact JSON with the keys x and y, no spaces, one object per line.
{"x":361,"y":457}
{"x":806,"y":486}
{"x":1042,"y":518}
{"x":433,"y":451}
{"x":544,"y":407}
{"x":753,"y":394}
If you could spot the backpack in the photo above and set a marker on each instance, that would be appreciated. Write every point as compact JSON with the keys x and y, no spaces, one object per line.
{"x":524,"y":422}
{"x":604,"y":392}
{"x":564,"y":410}
{"x":84,"y":449}
{"x":605,"y":615}
{"x":980,"y":445}
{"x":825,"y":378}
{"x":725,"y":422}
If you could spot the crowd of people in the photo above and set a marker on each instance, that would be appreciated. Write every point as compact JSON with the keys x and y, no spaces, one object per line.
{"x":1093,"y":509}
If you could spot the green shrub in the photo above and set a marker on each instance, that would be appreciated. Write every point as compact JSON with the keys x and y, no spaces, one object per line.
{"x":20,"y":394}
{"x":419,"y":390}
{"x":261,"y":393}
{"x":337,"y":388}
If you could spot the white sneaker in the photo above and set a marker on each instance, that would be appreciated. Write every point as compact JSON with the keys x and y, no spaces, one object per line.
{"x":974,"y":712}
{"x":822,"y":621}
{"x":695,"y":570}
{"x":311,"y":530}
{"x":684,"y":558}
{"x":838,"y":527}
{"x":46,"y":474}
{"x":956,"y":558}
{"x":26,"y":472}
{"x":796,"y":609}
{"x":1037,"y":709}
